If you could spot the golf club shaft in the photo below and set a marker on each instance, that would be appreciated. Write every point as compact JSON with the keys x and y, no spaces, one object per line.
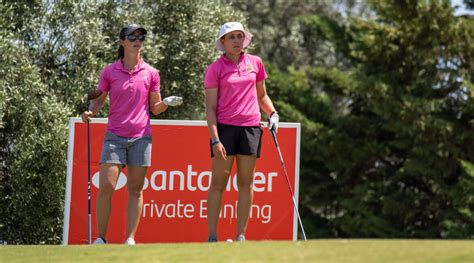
{"x":288,"y":182}
{"x":89,"y":227}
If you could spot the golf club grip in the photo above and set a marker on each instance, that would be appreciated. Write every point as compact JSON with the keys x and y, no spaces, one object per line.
{"x":272,"y":131}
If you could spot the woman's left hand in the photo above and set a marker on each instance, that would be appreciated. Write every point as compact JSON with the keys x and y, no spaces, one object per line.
{"x":273,"y":122}
{"x":219,"y":151}
{"x":173,"y":101}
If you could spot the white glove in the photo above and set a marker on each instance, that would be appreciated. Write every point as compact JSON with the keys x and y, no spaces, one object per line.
{"x":273,"y":121}
{"x":173,"y":101}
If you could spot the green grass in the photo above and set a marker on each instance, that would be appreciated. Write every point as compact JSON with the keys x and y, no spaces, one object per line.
{"x":333,"y":250}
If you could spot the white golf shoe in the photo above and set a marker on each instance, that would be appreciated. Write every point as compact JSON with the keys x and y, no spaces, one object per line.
{"x":99,"y":241}
{"x":130,"y":241}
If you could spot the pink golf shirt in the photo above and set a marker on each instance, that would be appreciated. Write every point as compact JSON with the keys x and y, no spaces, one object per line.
{"x":129,"y":114}
{"x":237,"y":102}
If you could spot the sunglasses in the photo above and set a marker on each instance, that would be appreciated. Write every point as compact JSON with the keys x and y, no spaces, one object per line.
{"x":135,"y":37}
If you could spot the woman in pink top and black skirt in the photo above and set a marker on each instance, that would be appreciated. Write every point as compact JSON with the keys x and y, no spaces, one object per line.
{"x":235,"y":92}
{"x":134,"y":90}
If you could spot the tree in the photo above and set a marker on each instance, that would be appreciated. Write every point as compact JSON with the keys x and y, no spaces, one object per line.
{"x":32,"y":148}
{"x":398,"y":162}
{"x":469,"y":4}
{"x":276,"y":30}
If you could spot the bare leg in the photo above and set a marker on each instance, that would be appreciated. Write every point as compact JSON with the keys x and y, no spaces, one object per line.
{"x":220,"y":175}
{"x":107,"y":181}
{"x":135,"y":181}
{"x":245,"y":172}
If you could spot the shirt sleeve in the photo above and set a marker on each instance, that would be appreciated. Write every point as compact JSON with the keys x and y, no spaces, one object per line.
{"x":155,"y":81}
{"x":261,"y":73}
{"x":104,"y":82}
{"x":211,"y":77}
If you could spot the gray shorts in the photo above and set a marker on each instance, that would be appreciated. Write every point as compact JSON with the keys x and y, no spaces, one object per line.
{"x":126,"y":151}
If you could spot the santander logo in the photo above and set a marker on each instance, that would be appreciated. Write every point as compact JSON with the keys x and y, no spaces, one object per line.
{"x":191,"y":180}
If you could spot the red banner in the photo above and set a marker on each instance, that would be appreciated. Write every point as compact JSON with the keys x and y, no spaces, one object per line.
{"x":175,"y":190}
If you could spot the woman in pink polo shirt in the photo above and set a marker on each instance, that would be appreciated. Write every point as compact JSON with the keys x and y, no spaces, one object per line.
{"x":235,"y":93}
{"x":134,"y":90}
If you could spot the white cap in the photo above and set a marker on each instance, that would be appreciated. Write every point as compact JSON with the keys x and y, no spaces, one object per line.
{"x":229,"y":27}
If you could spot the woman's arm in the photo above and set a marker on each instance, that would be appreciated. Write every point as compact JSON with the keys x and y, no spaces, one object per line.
{"x":211,"y":106}
{"x":263,"y":100}
{"x":211,"y":109}
{"x":267,"y":106}
{"x":157,"y":106}
{"x":94,"y":106}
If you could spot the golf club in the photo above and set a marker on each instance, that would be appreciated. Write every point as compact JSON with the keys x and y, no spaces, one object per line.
{"x":93,"y":94}
{"x":288,"y":181}
{"x":89,"y":227}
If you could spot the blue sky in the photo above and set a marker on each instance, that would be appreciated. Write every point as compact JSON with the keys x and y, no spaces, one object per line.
{"x":461,"y":10}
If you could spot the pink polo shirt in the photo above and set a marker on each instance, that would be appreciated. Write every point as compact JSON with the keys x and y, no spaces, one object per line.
{"x":237,"y":102}
{"x":129,"y":114}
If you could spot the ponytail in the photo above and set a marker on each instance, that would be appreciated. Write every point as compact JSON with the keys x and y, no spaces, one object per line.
{"x":120,"y":52}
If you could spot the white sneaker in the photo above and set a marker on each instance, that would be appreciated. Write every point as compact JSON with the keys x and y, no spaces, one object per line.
{"x":99,"y":241}
{"x":130,"y":241}
{"x":240,"y":238}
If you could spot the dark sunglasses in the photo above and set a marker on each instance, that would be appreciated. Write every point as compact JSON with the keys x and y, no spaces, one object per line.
{"x":135,"y":37}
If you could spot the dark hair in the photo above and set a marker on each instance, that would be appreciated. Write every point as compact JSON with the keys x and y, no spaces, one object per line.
{"x":120,"y":52}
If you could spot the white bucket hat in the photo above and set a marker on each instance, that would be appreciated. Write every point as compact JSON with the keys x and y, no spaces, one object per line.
{"x":229,"y":27}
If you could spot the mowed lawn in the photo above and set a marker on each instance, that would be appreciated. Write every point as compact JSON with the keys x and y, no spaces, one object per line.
{"x":321,"y":250}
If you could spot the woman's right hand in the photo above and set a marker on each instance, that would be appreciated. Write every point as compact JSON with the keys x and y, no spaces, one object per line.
{"x":219,"y":151}
{"x":86,"y":116}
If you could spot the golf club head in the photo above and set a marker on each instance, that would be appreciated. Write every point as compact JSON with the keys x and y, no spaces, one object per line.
{"x":93,"y":94}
